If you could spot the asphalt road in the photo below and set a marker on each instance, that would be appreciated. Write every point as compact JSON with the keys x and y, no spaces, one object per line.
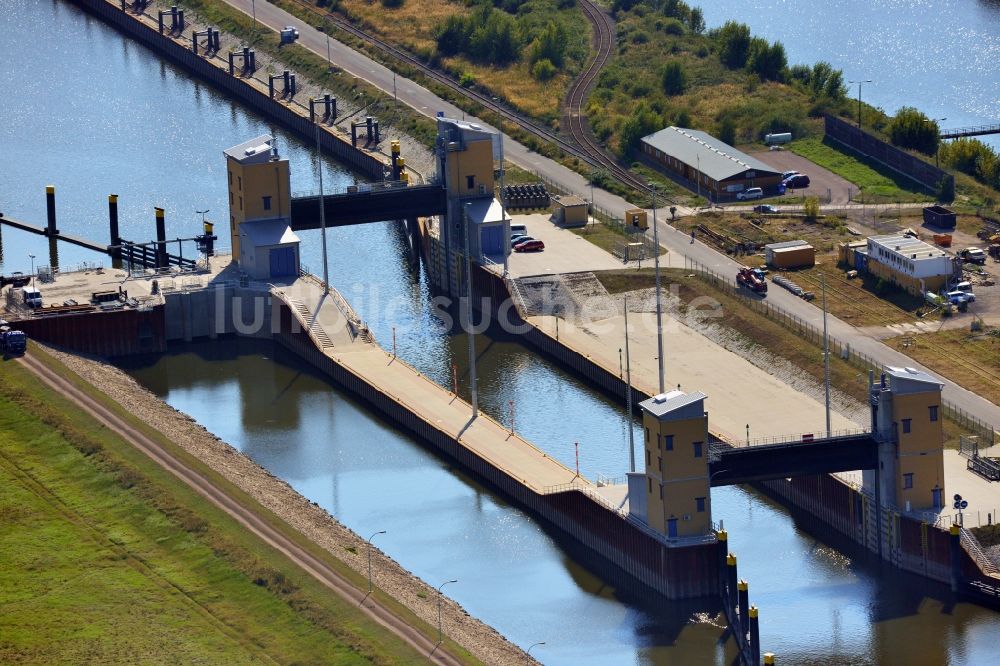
{"x":428,"y":103}
{"x":316,"y":568}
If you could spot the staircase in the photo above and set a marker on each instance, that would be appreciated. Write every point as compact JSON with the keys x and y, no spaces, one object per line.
{"x":309,"y":322}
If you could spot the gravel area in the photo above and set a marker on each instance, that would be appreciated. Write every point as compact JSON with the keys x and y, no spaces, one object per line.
{"x":307,"y":517}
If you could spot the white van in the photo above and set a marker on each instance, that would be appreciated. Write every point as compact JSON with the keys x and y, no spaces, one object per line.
{"x":31,"y":297}
{"x":750,"y":193}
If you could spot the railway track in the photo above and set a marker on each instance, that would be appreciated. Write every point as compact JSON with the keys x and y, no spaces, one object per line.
{"x":582,"y":143}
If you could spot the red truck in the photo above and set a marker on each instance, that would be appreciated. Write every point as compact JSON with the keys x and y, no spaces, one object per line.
{"x":752,"y":279}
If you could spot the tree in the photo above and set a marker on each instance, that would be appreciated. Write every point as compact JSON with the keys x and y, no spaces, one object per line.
{"x":811,"y":207}
{"x":727,"y":131}
{"x":696,"y":21}
{"x":641,"y":123}
{"x":912,"y":129}
{"x":766,"y":60}
{"x":550,"y":44}
{"x":683,"y":118}
{"x":543,"y":70}
{"x":734,"y":43}
{"x":674,"y":78}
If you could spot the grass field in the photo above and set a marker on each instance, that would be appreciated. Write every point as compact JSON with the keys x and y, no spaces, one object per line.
{"x":605,"y":236}
{"x":877,"y":183}
{"x":969,"y":359}
{"x":108,"y":558}
{"x":759,"y":330}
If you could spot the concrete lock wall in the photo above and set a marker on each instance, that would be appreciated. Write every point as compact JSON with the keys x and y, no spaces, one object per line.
{"x":216,"y":71}
{"x":114,"y":333}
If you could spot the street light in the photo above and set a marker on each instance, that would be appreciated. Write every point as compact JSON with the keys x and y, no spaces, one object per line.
{"x":527,"y":654}
{"x":439,"y":606}
{"x":202,"y":213}
{"x":370,"y":559}
{"x":937,"y":146}
{"x":32,"y":271}
{"x":859,"y":98}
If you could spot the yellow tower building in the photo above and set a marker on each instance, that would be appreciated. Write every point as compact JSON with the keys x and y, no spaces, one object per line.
{"x":259,"y":210}
{"x":674,"y":490}
{"x":906,"y":413}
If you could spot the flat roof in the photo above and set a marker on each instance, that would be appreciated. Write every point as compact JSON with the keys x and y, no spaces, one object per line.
{"x":704,"y":152}
{"x":911,"y":380}
{"x":786,"y":245}
{"x":567,"y":200}
{"x":907,"y":246}
{"x":482,"y":211}
{"x":675,"y":405}
{"x":253,"y":151}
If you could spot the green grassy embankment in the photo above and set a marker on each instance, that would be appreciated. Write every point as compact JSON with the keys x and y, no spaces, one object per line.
{"x":109,"y":558}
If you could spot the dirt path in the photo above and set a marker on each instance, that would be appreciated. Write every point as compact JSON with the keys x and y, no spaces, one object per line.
{"x":246,"y":517}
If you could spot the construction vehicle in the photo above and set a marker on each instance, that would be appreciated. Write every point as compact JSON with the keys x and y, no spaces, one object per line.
{"x":12,"y":343}
{"x":753,"y":279}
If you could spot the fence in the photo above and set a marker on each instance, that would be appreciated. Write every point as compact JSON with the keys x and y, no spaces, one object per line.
{"x":814,"y":334}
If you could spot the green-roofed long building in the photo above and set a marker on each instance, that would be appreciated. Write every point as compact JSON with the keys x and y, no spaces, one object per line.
{"x":706,"y":165}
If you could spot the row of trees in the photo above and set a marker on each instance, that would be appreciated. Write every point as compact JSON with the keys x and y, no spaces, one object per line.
{"x":690,"y":17}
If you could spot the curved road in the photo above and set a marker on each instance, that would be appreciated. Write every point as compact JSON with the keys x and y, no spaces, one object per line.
{"x":429,"y":104}
{"x":316,"y":568}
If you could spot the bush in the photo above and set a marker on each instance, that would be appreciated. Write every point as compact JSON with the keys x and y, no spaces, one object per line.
{"x":683,"y":118}
{"x":767,"y":61}
{"x":696,"y":21}
{"x":811,"y":207}
{"x":912,"y":129}
{"x":674,"y":79}
{"x":543,"y":70}
{"x":486,"y":35}
{"x":466,"y":80}
{"x":727,"y":131}
{"x":639,"y":124}
{"x":550,"y":44}
{"x":945,"y":189}
{"x":673,"y":27}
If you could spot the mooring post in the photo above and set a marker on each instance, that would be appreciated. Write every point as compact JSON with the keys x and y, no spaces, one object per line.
{"x":743,"y":591}
{"x":231,"y":68}
{"x":731,"y":578}
{"x":285,"y":75}
{"x":754,"y":637}
{"x":116,"y":240}
{"x":50,"y":209}
{"x":291,"y":86}
{"x":312,"y":109}
{"x":253,"y":62}
{"x":161,"y":239}
{"x":955,"y":548}
{"x":180,"y":21}
{"x":768,"y":659}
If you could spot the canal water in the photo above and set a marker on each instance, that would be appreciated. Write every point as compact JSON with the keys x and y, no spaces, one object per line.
{"x":155,"y":136}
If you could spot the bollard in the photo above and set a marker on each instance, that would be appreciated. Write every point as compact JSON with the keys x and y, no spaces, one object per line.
{"x":116,"y":240}
{"x":329,"y":108}
{"x":50,"y":209}
{"x":194,"y":42}
{"x":722,"y":536}
{"x":180,"y":21}
{"x":743,"y":591}
{"x":270,"y":87}
{"x":291,"y":86}
{"x":731,"y":581}
{"x":312,"y":110}
{"x":955,"y":548}
{"x":216,"y":40}
{"x":354,"y":135}
{"x":231,"y":68}
{"x":161,"y":239}
{"x":768,"y":659}
{"x":378,"y":137}
{"x":159,"y":21}
{"x":253,"y":61}
{"x":754,"y":637}
{"x":368,"y":129}
{"x":285,"y":75}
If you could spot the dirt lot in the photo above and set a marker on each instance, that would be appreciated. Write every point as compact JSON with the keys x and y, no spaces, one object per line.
{"x":828,"y":186}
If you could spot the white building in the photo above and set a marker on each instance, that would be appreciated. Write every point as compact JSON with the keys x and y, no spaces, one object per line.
{"x":909,"y":262}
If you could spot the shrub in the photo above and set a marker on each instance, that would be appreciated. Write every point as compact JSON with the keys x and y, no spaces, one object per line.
{"x":673,"y":78}
{"x":696,"y":21}
{"x":912,"y":129}
{"x":811,"y":207}
{"x":466,"y":80}
{"x":550,"y":44}
{"x":945,"y":189}
{"x":543,"y":70}
{"x":727,"y":131}
{"x":683,"y":118}
{"x":640,"y":37}
{"x":673,"y":27}
{"x":767,"y":61}
{"x":639,"y":124}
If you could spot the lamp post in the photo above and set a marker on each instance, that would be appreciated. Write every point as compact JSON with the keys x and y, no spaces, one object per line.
{"x":440,"y":595}
{"x":937,"y":146}
{"x":370,"y":559}
{"x":32,"y":271}
{"x":322,"y":214}
{"x":503,"y":204}
{"x":253,"y":8}
{"x":859,"y":82}
{"x":202,"y":213}
{"x":527,"y":654}
{"x":826,"y":357}
{"x":656,"y":270}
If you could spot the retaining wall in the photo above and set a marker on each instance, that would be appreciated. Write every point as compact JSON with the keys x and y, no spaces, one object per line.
{"x":114,"y":333}
{"x":216,"y":72}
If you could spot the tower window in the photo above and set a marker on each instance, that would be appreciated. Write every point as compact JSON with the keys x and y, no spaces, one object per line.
{"x":908,"y":480}
{"x":906,"y":425}
{"x":697,"y":449}
{"x":661,"y":492}
{"x":649,"y":483}
{"x":933,"y":409}
{"x":668,"y":442}
{"x":699,"y":504}
{"x":267,"y":203}
{"x":647,"y":434}
{"x":241,"y":203}
{"x":659,"y":464}
{"x":647,"y":457}
{"x":470,"y":182}
{"x":239,"y":182}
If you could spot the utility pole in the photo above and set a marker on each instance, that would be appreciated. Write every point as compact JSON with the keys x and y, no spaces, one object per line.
{"x":628,"y":397}
{"x":322,"y":214}
{"x":659,"y":313}
{"x":859,"y":97}
{"x":826,"y":357}
{"x":468,"y":322}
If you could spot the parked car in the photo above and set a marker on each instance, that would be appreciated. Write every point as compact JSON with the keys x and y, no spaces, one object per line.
{"x":796,"y":180}
{"x":786,"y":174}
{"x":960,"y":297}
{"x":521,"y":239}
{"x":765,"y":208}
{"x":530,"y":246}
{"x":973,"y":255}
{"x":750,"y":193}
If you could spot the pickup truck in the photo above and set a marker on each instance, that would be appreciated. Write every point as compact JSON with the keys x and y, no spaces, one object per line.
{"x":973,"y":255}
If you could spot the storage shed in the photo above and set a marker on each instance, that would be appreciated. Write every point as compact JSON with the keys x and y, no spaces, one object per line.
{"x":790,"y":254}
{"x":569,"y":211}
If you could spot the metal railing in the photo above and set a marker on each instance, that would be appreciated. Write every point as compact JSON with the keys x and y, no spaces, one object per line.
{"x":805,"y":438}
{"x":356,"y":324}
{"x":844,"y":350}
{"x":975,"y":551}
